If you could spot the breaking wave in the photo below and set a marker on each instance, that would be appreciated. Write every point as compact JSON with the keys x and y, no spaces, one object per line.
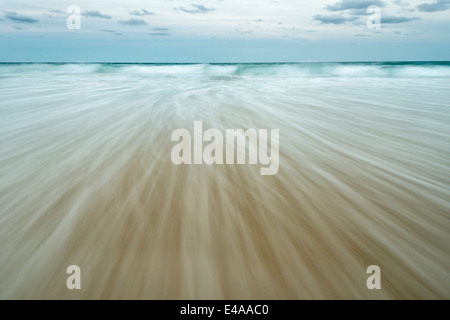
{"x":375,"y":69}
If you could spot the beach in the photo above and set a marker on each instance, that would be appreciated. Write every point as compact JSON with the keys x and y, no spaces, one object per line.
{"x":86,"y":178}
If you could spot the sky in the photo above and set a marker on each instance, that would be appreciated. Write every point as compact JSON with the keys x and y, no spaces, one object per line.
{"x":202,"y":31}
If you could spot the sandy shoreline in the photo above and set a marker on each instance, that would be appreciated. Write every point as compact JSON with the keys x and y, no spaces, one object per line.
{"x":86,"y":179}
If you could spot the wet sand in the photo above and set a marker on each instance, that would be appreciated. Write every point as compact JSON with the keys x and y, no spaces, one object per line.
{"x":86,"y":178}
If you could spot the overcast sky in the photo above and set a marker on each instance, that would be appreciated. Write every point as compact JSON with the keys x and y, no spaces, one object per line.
{"x":224,"y":30}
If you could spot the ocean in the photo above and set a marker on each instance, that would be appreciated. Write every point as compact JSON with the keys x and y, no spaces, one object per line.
{"x":86,"y":179}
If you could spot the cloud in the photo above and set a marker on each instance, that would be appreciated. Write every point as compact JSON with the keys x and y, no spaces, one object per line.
{"x":197,"y":8}
{"x":95,"y":14}
{"x":245,"y":32}
{"x":396,"y":19}
{"x":141,"y":12}
{"x":354,"y":9}
{"x":159,"y":29}
{"x":14,"y":16}
{"x":439,"y":5}
{"x":133,"y":22}
{"x":334,"y":18}
{"x":57,"y":11}
{"x":354,"y":4}
{"x":111,"y":31}
{"x":401,"y":3}
{"x":160,"y":33}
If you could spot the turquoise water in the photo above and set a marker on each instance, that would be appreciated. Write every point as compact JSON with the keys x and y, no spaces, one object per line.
{"x":310,"y":69}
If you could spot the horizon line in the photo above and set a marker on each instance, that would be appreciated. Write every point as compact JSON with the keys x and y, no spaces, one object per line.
{"x":199,"y":62}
